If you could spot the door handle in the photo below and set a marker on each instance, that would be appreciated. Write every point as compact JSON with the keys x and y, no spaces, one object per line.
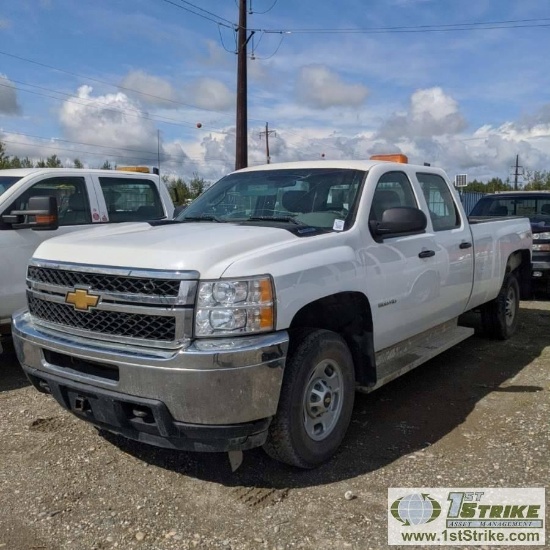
{"x":465,"y":245}
{"x":426,"y":254}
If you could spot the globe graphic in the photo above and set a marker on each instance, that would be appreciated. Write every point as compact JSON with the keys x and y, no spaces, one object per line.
{"x":416,"y":509}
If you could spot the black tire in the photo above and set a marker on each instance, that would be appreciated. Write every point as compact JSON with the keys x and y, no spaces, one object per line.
{"x":313,"y":416}
{"x":500,"y":316}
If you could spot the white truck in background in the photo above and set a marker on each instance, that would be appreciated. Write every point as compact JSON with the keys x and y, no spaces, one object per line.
{"x":82,"y":198}
{"x":252,"y":318}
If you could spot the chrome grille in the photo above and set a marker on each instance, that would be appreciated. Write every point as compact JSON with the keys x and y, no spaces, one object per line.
{"x":126,"y":325}
{"x":105,"y":282}
{"x":143,"y":307}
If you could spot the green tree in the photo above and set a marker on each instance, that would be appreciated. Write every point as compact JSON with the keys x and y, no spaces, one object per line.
{"x":475,"y":186}
{"x":27,"y":163}
{"x":196,"y":186}
{"x":106,"y":166}
{"x":15,"y":162}
{"x":537,"y":180}
{"x":78,"y":163}
{"x":41,"y":164}
{"x":178,"y":189}
{"x":492,"y":186}
{"x":53,"y":162}
{"x":4,"y":159}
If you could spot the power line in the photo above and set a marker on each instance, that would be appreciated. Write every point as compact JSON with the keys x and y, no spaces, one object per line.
{"x":217,"y":20}
{"x":79,"y":142}
{"x":451,"y":27}
{"x":117,"y":86}
{"x":251,"y":12}
{"x":151,"y":160}
{"x":107,"y":83}
{"x":94,"y":103}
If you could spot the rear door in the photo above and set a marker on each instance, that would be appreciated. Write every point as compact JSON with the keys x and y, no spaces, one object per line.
{"x":128,"y":198}
{"x":454,"y":258}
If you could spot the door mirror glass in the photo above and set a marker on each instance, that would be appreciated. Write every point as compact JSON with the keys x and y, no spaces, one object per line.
{"x":40,"y":214}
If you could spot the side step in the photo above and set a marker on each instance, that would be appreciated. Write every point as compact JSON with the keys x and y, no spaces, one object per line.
{"x":396,"y":360}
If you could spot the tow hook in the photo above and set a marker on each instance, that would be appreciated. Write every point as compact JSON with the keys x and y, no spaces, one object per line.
{"x":235,"y":459}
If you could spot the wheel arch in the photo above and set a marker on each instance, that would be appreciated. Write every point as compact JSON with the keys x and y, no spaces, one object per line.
{"x":519,"y":263}
{"x":348,"y":314}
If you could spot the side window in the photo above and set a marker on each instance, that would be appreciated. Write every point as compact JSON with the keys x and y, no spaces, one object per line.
{"x":131,"y":199}
{"x":443,"y":211}
{"x":71,"y":194}
{"x":393,"y":189}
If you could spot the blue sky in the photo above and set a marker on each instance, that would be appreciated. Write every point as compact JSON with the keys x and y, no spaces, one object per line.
{"x":461,"y":84}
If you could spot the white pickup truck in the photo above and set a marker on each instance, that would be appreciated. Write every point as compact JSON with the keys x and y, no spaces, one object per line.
{"x":82,"y":198}
{"x":253,"y":317}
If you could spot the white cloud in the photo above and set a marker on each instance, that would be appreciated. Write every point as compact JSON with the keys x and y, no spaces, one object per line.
{"x":211,"y":94}
{"x":112,"y":120}
{"x":149,"y":89}
{"x":431,"y":113}
{"x":319,"y":87}
{"x":8,"y":97}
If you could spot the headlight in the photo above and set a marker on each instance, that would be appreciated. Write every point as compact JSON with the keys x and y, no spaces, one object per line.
{"x":225,"y":308}
{"x":545,"y":235}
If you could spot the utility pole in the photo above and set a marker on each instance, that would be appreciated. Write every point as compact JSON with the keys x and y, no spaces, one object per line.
{"x":517,"y":172}
{"x":241,"y":153}
{"x":267,"y":132}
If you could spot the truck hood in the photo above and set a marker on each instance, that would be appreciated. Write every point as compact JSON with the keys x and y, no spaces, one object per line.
{"x":209,"y":248}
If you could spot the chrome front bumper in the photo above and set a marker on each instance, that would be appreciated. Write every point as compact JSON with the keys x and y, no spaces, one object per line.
{"x":212,"y":382}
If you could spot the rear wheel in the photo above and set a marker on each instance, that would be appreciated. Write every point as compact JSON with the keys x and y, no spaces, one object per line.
{"x":316,"y":400}
{"x":500,"y":316}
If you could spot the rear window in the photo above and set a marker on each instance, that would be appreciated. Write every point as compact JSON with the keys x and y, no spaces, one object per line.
{"x":537,"y":209}
{"x":131,"y":199}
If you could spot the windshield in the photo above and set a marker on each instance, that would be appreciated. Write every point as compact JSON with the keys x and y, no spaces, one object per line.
{"x":537,"y":208}
{"x":7,"y":181}
{"x":320,"y":197}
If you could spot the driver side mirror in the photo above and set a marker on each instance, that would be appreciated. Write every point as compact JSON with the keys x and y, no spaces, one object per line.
{"x":40,"y":215}
{"x":401,"y":220}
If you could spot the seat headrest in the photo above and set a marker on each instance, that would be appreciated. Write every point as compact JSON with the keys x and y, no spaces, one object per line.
{"x":500,"y":211}
{"x":77,"y":202}
{"x":387,"y":197}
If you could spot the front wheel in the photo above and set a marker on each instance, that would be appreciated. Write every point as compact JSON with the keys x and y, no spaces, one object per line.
{"x":500,"y":316}
{"x":316,"y":400}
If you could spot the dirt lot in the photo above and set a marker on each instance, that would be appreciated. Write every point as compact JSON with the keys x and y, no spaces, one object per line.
{"x":475,"y":416}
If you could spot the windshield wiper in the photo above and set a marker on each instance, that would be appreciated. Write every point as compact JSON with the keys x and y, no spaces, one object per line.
{"x":203,"y":218}
{"x":290,"y":219}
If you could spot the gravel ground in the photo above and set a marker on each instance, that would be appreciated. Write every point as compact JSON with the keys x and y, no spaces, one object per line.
{"x":475,"y":416}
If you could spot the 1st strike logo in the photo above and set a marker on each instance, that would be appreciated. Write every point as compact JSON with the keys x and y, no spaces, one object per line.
{"x":81,"y":300}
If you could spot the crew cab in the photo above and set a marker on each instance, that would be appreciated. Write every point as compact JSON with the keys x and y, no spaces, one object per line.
{"x":251,"y":319}
{"x":80,"y":198}
{"x":534,"y":205}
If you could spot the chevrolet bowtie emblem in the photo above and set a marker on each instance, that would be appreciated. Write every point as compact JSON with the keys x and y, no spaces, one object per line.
{"x":81,"y":300}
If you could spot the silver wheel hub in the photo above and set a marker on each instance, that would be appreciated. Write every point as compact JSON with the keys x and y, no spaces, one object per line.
{"x":322,"y":403}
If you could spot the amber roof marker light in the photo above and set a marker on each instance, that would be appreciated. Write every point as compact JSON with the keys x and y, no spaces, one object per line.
{"x":398,"y":157}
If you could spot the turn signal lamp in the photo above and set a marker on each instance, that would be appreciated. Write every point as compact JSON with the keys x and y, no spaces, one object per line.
{"x":402,"y":159}
{"x":43,"y":219}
